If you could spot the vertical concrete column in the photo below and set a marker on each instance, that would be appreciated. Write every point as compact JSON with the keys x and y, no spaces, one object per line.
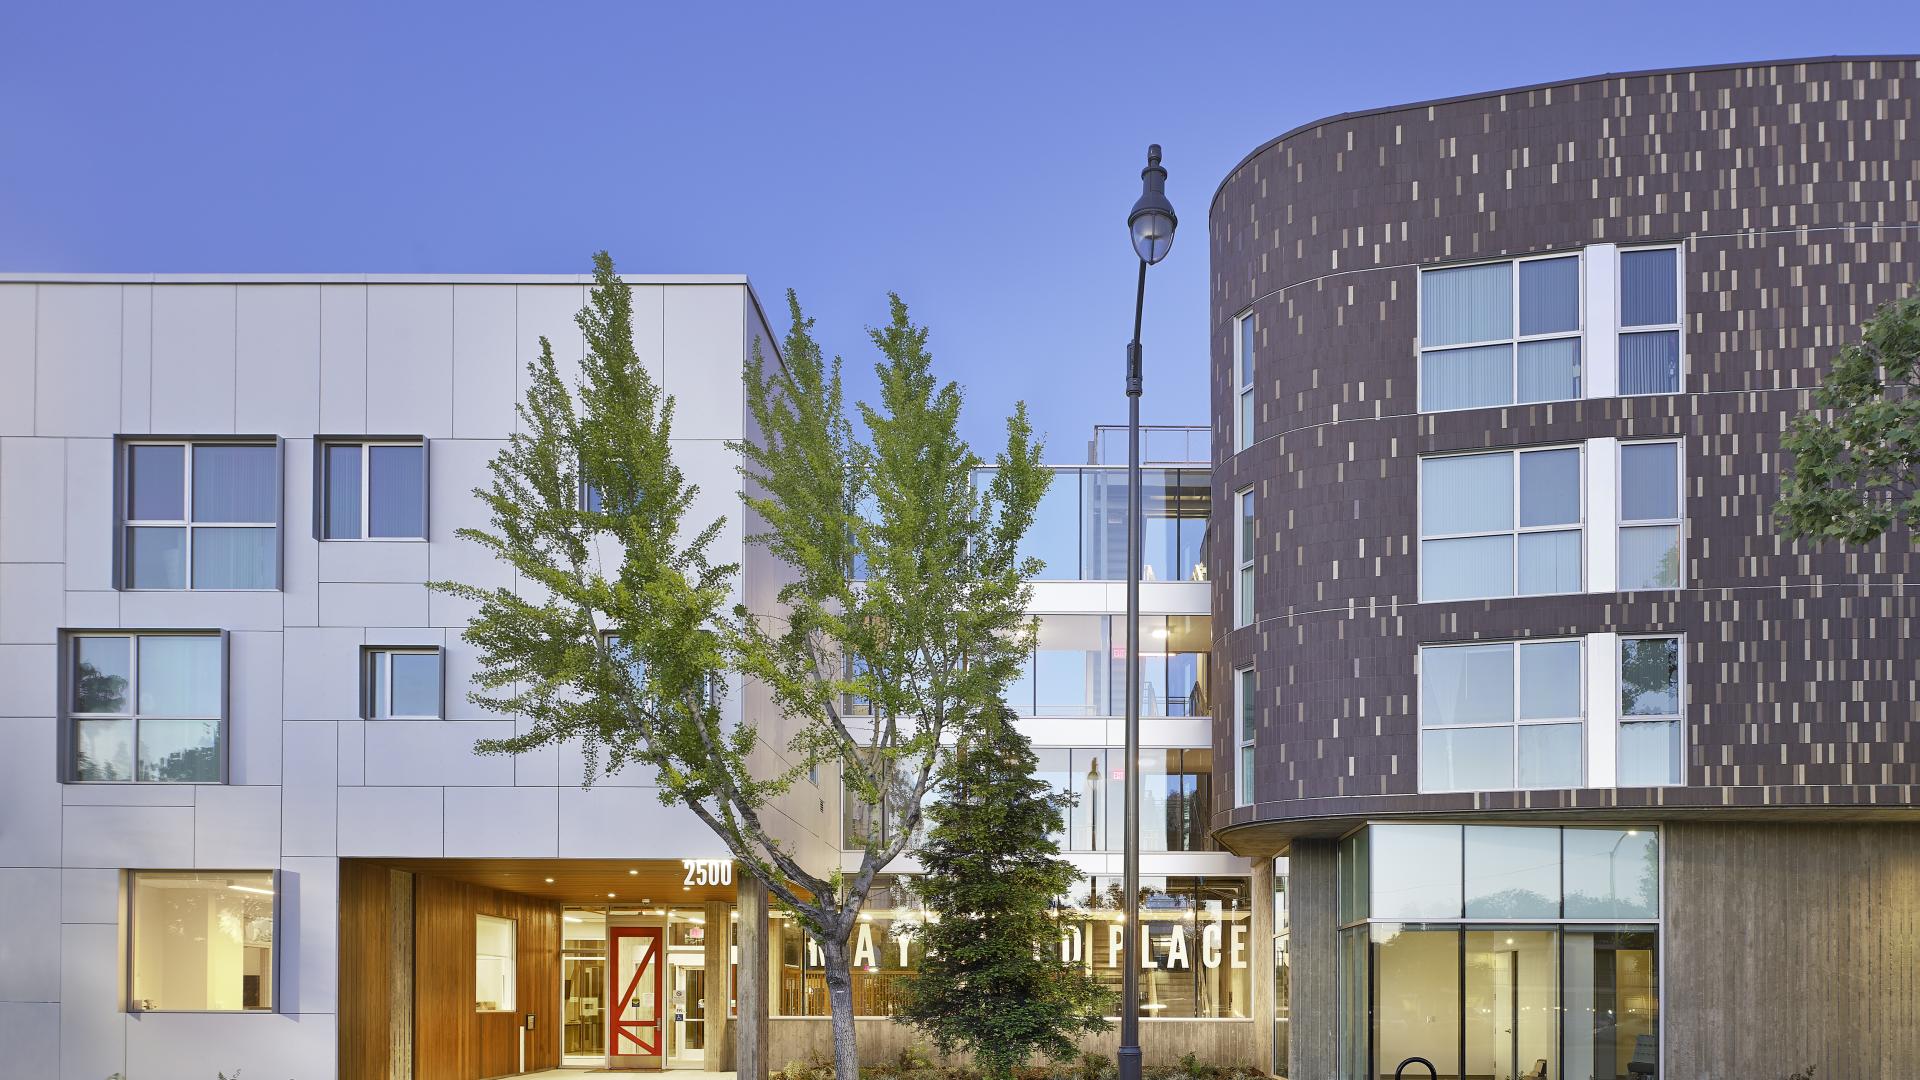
{"x":719,"y":1055}
{"x":751,"y":1031}
{"x":1261,"y":976}
{"x":1313,"y":925}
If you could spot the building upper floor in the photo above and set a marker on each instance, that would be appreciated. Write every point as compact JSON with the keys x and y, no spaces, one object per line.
{"x":1498,"y":383}
{"x":221,"y":500}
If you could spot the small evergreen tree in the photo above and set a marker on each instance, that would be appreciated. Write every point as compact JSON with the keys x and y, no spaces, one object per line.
{"x":991,"y":979}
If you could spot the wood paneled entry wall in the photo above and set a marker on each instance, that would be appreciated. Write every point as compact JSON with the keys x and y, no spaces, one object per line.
{"x":408,"y":973}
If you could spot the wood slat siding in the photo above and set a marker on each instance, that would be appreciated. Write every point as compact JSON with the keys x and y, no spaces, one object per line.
{"x":451,"y":1040}
{"x":365,"y":1036}
{"x":407,"y":973}
{"x":1790,"y":945}
{"x":1313,"y":1045}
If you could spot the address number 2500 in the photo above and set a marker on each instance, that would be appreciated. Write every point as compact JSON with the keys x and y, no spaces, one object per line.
{"x":708,"y":871}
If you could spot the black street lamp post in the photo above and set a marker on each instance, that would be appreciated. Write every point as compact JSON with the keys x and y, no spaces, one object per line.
{"x":1151,"y":222}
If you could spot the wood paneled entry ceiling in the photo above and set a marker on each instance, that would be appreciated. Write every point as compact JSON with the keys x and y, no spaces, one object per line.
{"x":586,"y":882}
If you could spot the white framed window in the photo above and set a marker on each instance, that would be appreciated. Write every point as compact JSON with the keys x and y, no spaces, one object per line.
{"x":1650,"y":321}
{"x":1501,"y":523}
{"x":371,"y":488}
{"x":199,"y":514}
{"x":1500,"y":333}
{"x":1243,"y":558}
{"x":1502,"y":715}
{"x":201,"y":940}
{"x":1652,"y":710}
{"x":143,"y":706}
{"x":1247,"y":705}
{"x":495,"y":962}
{"x":402,"y":683}
{"x":1651,"y":520}
{"x":1243,"y":342}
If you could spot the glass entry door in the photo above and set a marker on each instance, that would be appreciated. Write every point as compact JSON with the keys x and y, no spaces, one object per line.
{"x":689,"y":1050}
{"x":634,"y":1033}
{"x":582,"y":994}
{"x":1512,"y":1008}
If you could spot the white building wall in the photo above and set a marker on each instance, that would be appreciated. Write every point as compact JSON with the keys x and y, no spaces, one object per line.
{"x":83,"y":359}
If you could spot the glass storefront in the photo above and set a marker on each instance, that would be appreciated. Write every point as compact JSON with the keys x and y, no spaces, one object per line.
{"x":1195,"y":947}
{"x":1498,"y":951}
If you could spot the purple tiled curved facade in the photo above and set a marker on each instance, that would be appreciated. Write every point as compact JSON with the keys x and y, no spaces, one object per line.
{"x":1794,"y":190}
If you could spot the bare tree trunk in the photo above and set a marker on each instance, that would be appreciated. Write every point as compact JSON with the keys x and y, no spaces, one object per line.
{"x":839,"y":973}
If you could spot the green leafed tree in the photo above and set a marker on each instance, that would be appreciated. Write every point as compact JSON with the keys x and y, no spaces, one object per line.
{"x":622,"y":633}
{"x":1855,"y":471}
{"x":903,"y":613}
{"x":991,"y":980}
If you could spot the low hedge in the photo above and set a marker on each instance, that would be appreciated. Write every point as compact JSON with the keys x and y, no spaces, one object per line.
{"x":915,"y":1063}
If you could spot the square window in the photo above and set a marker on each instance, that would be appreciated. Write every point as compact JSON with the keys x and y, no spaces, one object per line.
{"x":1650,"y":676}
{"x":1550,"y":296}
{"x":202,"y":941}
{"x":1549,"y":370}
{"x":1649,"y":557}
{"x":143,"y":707}
{"x":1465,"y":304}
{"x":1502,"y":715}
{"x":200,"y":515}
{"x":1650,"y":481}
{"x":372,"y":490}
{"x":402,"y":684}
{"x":1649,"y":287}
{"x":1550,"y":487}
{"x":1506,"y":523}
{"x":1650,"y":363}
{"x":1498,"y":333}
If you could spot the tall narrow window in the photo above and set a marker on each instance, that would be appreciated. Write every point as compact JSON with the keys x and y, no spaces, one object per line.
{"x":1650,"y":321}
{"x":200,"y":515}
{"x":373,"y":490}
{"x":1500,"y":716}
{"x":1500,"y":333}
{"x":494,"y":963}
{"x":1243,"y":382}
{"x":1243,"y":559}
{"x":402,"y":684}
{"x":202,"y":941}
{"x":1652,"y":706}
{"x":1502,"y":524}
{"x":144,"y":707}
{"x":1650,"y":516}
{"x":1247,"y":702}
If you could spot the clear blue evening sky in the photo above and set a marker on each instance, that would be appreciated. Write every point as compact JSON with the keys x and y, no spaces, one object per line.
{"x":977,"y":157}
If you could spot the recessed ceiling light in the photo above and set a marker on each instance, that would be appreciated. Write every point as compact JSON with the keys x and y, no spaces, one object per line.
{"x":549,"y":881}
{"x":634,"y":873}
{"x":609,"y":896}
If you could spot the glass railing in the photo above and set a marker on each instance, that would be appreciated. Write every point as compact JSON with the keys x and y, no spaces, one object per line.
{"x":1079,"y":530}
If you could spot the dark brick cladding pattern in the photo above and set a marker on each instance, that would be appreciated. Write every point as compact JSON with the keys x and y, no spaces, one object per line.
{"x":1795,"y":189}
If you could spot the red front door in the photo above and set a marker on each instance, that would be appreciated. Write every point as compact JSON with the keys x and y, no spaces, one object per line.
{"x":634,"y":1030}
